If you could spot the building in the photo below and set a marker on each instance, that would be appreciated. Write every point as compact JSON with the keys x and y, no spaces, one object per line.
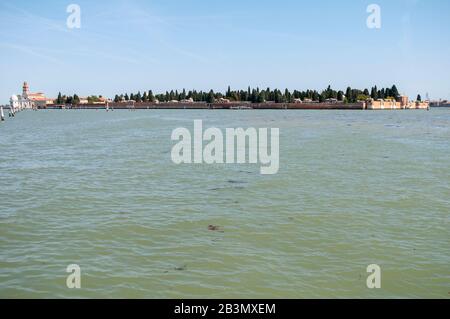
{"x":440,"y":103}
{"x":189,"y":100}
{"x":83,"y":100}
{"x":401,"y":103}
{"x":29,"y":100}
{"x":223,"y":100}
{"x":98,"y":100}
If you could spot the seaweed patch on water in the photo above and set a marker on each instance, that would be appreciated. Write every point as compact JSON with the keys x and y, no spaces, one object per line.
{"x":215,"y":228}
{"x":223,"y":188}
{"x":231,"y":181}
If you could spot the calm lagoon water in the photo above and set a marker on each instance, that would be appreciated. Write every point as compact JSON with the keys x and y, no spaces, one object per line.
{"x":100,"y":190}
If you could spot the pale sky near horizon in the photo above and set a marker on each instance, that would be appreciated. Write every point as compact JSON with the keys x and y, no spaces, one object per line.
{"x":136,"y":45}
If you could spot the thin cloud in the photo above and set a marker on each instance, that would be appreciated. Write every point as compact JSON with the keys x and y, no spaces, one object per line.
{"x":31,"y":51}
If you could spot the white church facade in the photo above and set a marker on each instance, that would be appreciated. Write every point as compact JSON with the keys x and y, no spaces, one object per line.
{"x":28,"y":100}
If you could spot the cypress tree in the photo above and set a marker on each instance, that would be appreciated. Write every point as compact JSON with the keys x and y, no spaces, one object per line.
{"x":151,"y":97}
{"x":394,"y":91}
{"x":348,"y":94}
{"x":261,"y":97}
{"x":59,"y":100}
{"x":210,"y":97}
{"x":374,"y":93}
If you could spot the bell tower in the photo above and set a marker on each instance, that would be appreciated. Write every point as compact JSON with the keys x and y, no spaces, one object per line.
{"x":25,"y":90}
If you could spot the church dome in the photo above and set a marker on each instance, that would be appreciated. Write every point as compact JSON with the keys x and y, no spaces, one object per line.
{"x":14,"y":98}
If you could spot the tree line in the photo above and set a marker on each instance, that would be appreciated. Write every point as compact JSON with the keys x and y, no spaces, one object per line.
{"x":257,"y":95}
{"x":251,"y":95}
{"x":75,"y":99}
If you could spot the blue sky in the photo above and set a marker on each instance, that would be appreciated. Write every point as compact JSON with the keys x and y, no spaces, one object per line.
{"x":130,"y":45}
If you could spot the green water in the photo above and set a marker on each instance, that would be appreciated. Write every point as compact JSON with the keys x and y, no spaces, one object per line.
{"x":99,"y":190}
